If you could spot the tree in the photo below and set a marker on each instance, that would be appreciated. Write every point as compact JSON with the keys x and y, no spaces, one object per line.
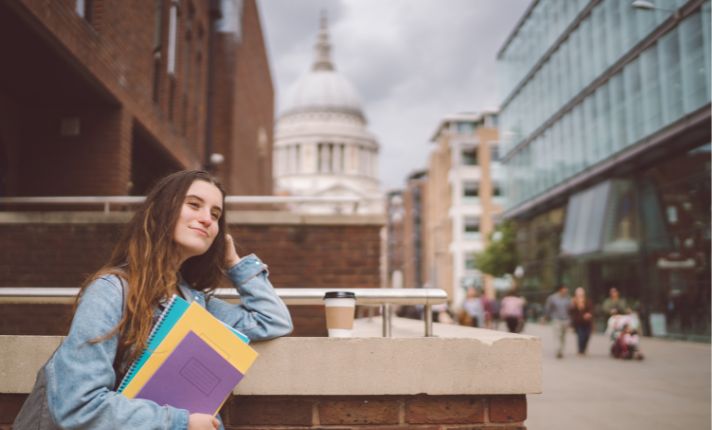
{"x":500,"y":256}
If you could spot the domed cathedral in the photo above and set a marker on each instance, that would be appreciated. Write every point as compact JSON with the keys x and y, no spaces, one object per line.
{"x":322,"y":147}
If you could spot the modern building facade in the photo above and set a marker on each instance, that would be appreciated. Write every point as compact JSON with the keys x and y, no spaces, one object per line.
{"x":406,"y":233}
{"x":414,"y":224}
{"x":322,"y":145}
{"x":124,"y":94}
{"x":605,"y":126}
{"x":464,"y":193}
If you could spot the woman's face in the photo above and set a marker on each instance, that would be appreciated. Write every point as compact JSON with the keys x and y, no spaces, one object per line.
{"x":197,"y":225}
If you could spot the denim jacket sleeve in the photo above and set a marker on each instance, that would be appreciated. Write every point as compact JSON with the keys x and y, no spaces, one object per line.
{"x":261,"y":314}
{"x":81,"y":378}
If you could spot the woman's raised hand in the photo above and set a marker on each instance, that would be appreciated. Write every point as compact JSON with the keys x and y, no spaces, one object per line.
{"x":231,"y":257}
{"x":202,"y":422}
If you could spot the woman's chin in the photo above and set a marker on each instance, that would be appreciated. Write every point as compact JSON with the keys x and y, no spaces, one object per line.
{"x":193,"y":251}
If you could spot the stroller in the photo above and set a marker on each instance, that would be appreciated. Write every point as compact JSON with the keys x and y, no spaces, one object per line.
{"x":622,"y":330}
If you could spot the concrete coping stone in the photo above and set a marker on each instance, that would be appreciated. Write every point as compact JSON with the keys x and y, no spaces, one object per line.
{"x":458,"y":361}
{"x":247,"y":217}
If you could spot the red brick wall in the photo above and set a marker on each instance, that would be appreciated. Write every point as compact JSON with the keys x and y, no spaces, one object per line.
{"x":62,"y":255}
{"x":253,"y":115}
{"x":73,"y":166}
{"x":243,"y":104}
{"x":376,"y":412}
{"x":358,"y":412}
{"x":102,"y":72}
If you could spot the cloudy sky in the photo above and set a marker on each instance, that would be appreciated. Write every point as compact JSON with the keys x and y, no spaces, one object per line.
{"x":412,"y":62}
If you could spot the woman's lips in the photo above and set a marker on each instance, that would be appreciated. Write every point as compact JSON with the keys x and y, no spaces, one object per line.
{"x":200,"y":231}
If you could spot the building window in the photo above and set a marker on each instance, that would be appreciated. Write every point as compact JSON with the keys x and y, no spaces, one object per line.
{"x":157,"y":49}
{"x":298,"y":158}
{"x":471,"y":191}
{"x":472,"y":227}
{"x":158,"y":26}
{"x":470,"y":263}
{"x":84,"y":9}
{"x":172,"y":30}
{"x":463,"y":127}
{"x":469,"y":157}
{"x":156,"y":77}
{"x":491,"y":121}
{"x":494,"y":153}
{"x":496,"y":190}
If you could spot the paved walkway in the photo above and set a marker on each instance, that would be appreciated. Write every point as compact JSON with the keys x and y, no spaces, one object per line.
{"x":670,"y":389}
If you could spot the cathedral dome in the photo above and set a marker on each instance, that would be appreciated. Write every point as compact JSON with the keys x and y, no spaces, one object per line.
{"x":322,"y":146}
{"x":324,"y":89}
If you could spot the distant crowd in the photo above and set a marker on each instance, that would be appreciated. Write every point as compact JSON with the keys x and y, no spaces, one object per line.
{"x":561,"y":311}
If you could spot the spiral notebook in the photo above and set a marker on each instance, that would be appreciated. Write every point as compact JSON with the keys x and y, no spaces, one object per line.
{"x":174,"y":323}
{"x":170,"y":315}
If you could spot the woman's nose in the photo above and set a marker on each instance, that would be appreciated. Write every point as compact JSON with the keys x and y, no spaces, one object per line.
{"x":205,"y":218}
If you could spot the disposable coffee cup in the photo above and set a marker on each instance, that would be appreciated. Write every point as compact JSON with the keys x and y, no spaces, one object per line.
{"x":340,"y":307}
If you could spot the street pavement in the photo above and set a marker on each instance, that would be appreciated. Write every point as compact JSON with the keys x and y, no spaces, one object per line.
{"x":670,"y":389}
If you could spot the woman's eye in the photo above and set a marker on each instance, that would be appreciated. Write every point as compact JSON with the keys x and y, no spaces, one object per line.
{"x":215,"y":216}
{"x":193,"y":205}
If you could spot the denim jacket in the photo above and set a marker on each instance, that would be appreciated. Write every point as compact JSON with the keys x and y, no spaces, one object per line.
{"x":80,"y":375}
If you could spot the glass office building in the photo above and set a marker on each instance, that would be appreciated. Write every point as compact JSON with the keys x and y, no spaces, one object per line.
{"x":605,"y":131}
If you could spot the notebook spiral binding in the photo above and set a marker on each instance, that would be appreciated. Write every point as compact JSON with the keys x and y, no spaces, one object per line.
{"x":131,"y":372}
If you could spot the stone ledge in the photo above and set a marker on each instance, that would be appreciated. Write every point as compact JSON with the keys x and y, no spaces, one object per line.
{"x":233,"y":217}
{"x":488,"y":362}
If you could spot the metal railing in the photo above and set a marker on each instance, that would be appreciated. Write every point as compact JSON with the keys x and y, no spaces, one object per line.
{"x":383,"y":297}
{"x":107,"y":201}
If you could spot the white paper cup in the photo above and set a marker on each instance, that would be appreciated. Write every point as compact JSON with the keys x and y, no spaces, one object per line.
{"x":340,"y":307}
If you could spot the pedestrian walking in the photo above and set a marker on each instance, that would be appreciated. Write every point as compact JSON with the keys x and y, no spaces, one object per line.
{"x":581,"y":312}
{"x":557,"y":311}
{"x":512,"y":310}
{"x":474,"y":308}
{"x":614,"y":304}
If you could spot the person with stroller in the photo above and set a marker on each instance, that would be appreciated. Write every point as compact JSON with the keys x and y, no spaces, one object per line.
{"x":622,"y":330}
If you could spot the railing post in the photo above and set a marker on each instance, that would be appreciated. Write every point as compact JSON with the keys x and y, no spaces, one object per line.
{"x":386,"y":318}
{"x":428,"y":318}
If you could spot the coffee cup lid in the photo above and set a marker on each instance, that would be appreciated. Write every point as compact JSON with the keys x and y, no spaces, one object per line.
{"x":339,"y":295}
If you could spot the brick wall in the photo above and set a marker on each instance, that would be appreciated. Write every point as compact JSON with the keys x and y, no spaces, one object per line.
{"x":110,"y":71}
{"x":457,"y":412}
{"x":243,"y":107}
{"x":62,"y":255}
{"x":253,"y":116}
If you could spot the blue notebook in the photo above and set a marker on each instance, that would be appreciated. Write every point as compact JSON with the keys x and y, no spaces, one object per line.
{"x":168,"y":318}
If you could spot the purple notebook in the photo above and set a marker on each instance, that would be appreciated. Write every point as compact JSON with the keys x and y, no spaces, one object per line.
{"x":194,"y":377}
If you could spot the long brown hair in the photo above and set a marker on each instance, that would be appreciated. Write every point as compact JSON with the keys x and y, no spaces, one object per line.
{"x":144,"y":258}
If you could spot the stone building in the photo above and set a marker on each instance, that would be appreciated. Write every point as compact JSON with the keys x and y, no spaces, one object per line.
{"x":464,"y":194}
{"x":322,"y":145}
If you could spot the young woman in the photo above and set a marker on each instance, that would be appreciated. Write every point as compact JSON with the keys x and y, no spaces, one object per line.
{"x":581,"y":312}
{"x":176,"y":243}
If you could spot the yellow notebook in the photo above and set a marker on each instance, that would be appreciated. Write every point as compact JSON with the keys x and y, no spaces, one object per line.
{"x":211,"y":330}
